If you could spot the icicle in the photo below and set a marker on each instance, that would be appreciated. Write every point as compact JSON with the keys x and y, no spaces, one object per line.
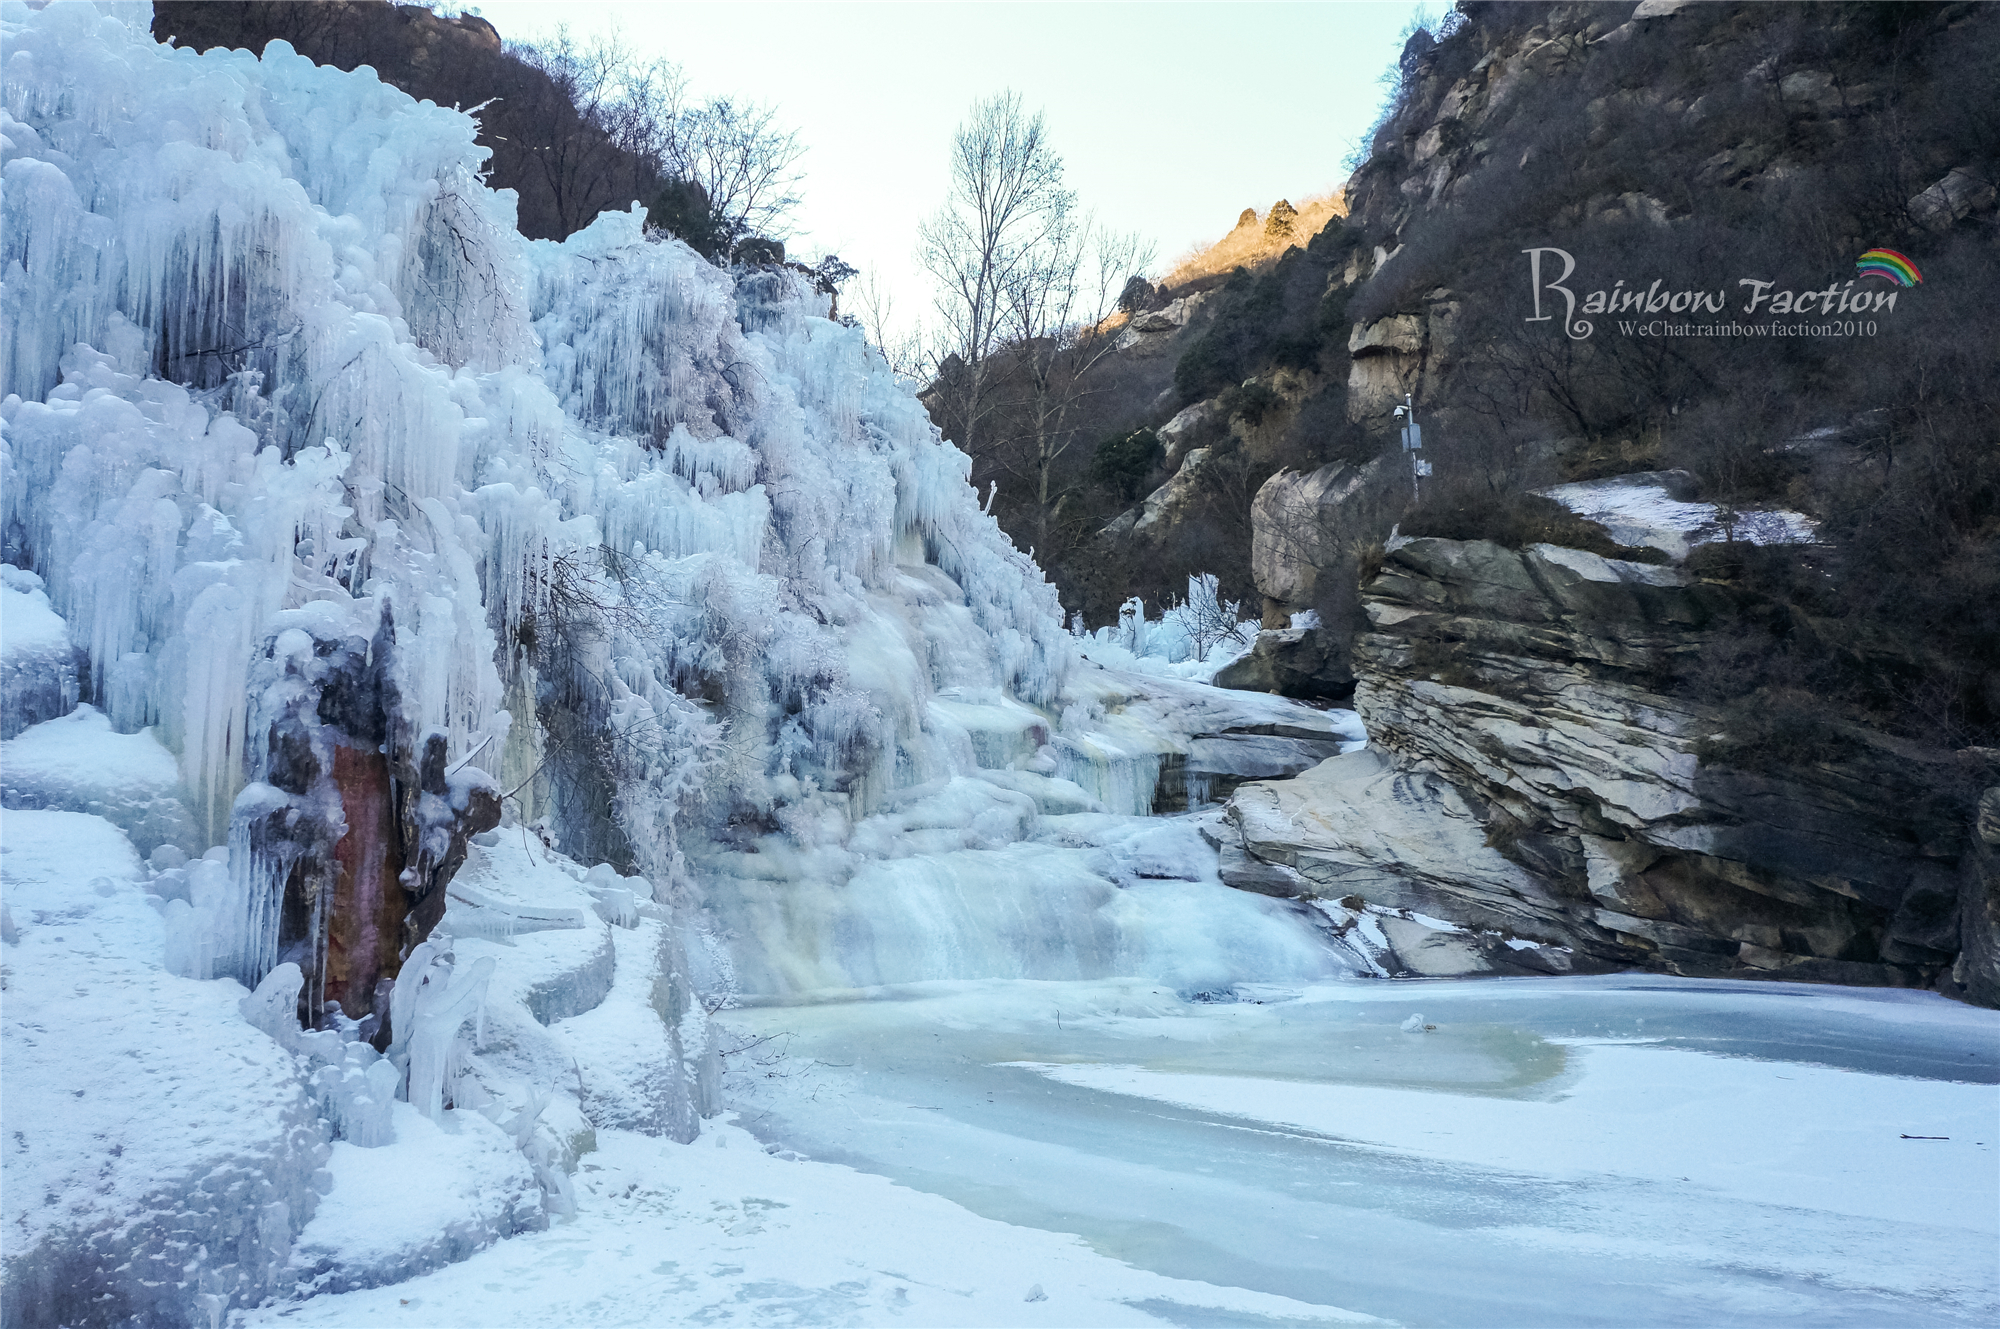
{"x":274,"y":1006}
{"x":428,"y":1019}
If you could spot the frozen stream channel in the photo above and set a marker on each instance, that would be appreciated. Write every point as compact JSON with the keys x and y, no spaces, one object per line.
{"x":1564,"y":1151}
{"x":581,"y":639}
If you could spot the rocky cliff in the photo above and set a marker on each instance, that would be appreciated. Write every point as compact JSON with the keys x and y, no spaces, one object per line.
{"x":1540,"y":793}
{"x":1695,"y":757}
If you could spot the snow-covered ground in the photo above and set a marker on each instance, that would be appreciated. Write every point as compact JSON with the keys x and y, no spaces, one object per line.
{"x":720,"y":1232}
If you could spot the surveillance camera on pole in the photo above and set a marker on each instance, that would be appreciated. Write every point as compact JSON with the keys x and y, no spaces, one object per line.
{"x":1413,"y":442}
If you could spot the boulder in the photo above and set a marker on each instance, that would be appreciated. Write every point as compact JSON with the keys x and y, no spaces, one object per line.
{"x":1152,"y":329}
{"x":1166,"y":506}
{"x":1959,"y":193}
{"x":1402,"y":333}
{"x":1189,"y":425}
{"x":1408,"y":851}
{"x":1303,"y":523}
{"x":1292,"y":662}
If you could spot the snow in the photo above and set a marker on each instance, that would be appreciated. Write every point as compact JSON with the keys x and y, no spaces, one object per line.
{"x":721,"y":1232}
{"x":27,"y":625}
{"x":145,"y":1118}
{"x":441,"y":1192}
{"x":1193,"y":639}
{"x":628,"y":1048}
{"x":1638,"y":510}
{"x":1645,"y":1112}
{"x":37,"y":673}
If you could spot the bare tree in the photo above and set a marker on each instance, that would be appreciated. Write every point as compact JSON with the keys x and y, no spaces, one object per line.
{"x":874,"y":308}
{"x":1053,"y":312}
{"x":647,"y":134}
{"x":596,"y":152}
{"x":739,"y":153}
{"x":1007,"y":203}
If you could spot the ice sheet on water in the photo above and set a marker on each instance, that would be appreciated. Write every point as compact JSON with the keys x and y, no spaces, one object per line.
{"x":1648,"y":1112}
{"x":1616,"y":1150}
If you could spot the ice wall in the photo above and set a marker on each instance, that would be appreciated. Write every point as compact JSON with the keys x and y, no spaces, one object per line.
{"x":640,"y":524}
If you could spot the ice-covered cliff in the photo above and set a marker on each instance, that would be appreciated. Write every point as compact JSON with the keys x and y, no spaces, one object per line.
{"x":440,"y":667}
{"x":371,"y":525}
{"x":282,"y":379}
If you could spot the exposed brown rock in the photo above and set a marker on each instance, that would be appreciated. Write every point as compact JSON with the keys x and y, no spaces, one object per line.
{"x":350,"y":828}
{"x":364,"y":942}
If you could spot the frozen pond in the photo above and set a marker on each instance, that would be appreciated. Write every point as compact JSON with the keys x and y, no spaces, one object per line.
{"x":1631,"y":1150}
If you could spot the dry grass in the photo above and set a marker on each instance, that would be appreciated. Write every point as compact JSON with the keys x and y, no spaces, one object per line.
{"x":1251,"y":246}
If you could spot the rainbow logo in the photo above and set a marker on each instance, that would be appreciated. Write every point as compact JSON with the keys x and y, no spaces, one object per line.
{"x":1889,"y":265}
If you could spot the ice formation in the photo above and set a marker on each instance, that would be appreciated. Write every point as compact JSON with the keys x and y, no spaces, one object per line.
{"x":502,"y":652}
{"x":1193,"y":639}
{"x":327,"y":488}
{"x":282,"y":378}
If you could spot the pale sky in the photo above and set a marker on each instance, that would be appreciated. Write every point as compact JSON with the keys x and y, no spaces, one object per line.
{"x":1171,"y":118}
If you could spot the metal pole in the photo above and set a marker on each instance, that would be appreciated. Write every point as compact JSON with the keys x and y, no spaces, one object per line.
{"x":1413,"y":442}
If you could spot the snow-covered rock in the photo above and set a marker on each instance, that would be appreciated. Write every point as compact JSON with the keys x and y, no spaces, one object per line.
{"x":78,"y":763}
{"x":439,"y":1194}
{"x":37,"y":664}
{"x":1640,"y":511}
{"x":161,"y":1150}
{"x":632,"y":1063}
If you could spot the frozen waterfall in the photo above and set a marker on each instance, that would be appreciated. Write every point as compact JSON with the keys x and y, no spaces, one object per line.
{"x":503,"y":654}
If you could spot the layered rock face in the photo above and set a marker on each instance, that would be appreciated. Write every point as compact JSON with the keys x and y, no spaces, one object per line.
{"x":1535,"y":782}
